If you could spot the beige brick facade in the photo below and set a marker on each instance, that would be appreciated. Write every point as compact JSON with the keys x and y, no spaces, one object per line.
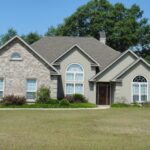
{"x":16,"y":72}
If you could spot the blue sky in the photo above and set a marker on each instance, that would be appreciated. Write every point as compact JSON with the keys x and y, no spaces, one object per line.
{"x":37,"y":15}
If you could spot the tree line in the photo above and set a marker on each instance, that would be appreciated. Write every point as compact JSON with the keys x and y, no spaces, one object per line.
{"x":125,"y":27}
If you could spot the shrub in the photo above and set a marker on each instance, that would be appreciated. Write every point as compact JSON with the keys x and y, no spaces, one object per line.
{"x":79,"y":98}
{"x":64,"y":102}
{"x":13,"y":100}
{"x":52,"y":101}
{"x":43,"y":94}
{"x":70,"y":98}
{"x":76,"y":98}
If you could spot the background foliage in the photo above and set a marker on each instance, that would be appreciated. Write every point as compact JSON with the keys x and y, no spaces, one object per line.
{"x":125,"y":27}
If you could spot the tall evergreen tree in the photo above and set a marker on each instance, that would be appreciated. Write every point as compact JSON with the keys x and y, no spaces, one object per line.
{"x":7,"y":36}
{"x":52,"y":31}
{"x":31,"y":37}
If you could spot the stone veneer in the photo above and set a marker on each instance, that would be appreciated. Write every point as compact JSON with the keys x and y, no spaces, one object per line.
{"x":16,"y":72}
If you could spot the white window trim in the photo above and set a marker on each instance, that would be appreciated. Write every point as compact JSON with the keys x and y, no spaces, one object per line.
{"x":32,"y":91}
{"x":16,"y":59}
{"x":139,"y":83}
{"x":73,"y":82}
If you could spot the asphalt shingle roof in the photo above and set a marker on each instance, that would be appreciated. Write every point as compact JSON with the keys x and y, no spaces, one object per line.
{"x":52,"y":47}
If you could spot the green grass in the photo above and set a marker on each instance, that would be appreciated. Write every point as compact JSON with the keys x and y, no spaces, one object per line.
{"x":111,"y":129}
{"x":121,"y":105}
{"x":36,"y":105}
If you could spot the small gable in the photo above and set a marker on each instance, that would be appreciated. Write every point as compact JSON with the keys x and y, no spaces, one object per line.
{"x":116,"y":67}
{"x":140,"y":67}
{"x":73,"y":49}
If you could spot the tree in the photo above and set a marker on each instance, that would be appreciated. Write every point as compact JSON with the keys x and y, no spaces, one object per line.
{"x":7,"y":36}
{"x":124,"y":27}
{"x":31,"y":37}
{"x":147,"y":58}
{"x":145,"y":53}
{"x":52,"y":31}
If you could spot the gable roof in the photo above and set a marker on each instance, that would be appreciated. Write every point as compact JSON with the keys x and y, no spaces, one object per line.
{"x":129,"y":67}
{"x":28,"y":46}
{"x":79,"y":48}
{"x":122,"y":55}
{"x":53,"y":47}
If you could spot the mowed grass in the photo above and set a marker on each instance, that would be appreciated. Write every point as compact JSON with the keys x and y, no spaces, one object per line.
{"x":111,"y":129}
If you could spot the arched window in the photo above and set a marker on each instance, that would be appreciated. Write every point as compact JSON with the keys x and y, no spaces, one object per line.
{"x":139,"y":79}
{"x":140,"y":89}
{"x":15,"y":56}
{"x":74,"y":79}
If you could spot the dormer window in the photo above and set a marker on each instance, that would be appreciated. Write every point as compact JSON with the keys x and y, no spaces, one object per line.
{"x":16,"y":56}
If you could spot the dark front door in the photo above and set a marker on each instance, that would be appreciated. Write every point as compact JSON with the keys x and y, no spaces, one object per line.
{"x":103,"y":94}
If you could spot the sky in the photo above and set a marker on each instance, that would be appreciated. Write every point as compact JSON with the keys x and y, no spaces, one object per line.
{"x":37,"y":15}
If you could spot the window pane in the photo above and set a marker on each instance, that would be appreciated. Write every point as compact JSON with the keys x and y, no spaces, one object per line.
{"x":135,"y":89}
{"x":143,"y":89}
{"x":79,"y":77}
{"x":70,"y":76}
{"x":1,"y":84}
{"x":15,"y":56}
{"x":31,"y":85}
{"x":31,"y":95}
{"x":1,"y":94}
{"x":143,"y":92}
{"x":135,"y":98}
{"x":75,"y":68}
{"x":69,"y":88}
{"x":135,"y":92}
{"x":79,"y":88}
{"x":143,"y":97}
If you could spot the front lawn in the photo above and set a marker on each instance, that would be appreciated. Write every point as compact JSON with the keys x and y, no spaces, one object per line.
{"x":36,"y":105}
{"x":111,"y":129}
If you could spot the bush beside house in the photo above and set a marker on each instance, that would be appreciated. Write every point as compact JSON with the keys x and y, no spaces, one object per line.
{"x":64,"y":102}
{"x":13,"y":100}
{"x":76,"y":98}
{"x":43,"y":100}
{"x":43,"y":94}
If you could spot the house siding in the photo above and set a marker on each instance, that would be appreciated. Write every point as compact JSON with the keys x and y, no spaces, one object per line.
{"x":123,"y":90}
{"x":117,"y":67}
{"x":15,"y":73}
{"x":75,"y":56}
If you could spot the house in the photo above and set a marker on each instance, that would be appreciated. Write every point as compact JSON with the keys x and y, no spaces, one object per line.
{"x":69,"y":65}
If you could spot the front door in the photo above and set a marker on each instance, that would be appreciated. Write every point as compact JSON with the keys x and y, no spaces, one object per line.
{"x":103,"y":94}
